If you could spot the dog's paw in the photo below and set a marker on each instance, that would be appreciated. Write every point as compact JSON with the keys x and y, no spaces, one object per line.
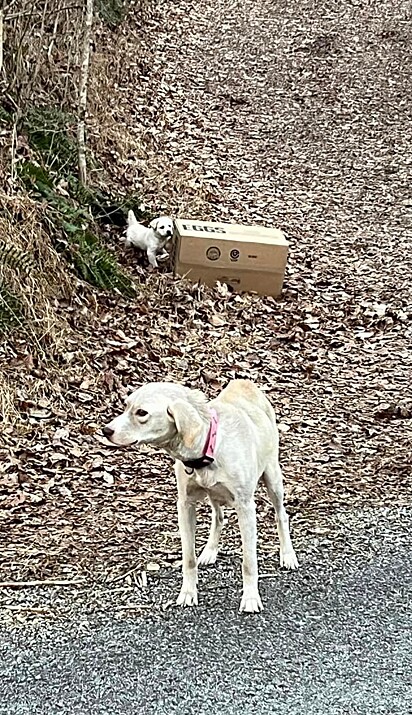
{"x":288,"y":560}
{"x":187,"y":598}
{"x":208,"y":556}
{"x":251,"y":603}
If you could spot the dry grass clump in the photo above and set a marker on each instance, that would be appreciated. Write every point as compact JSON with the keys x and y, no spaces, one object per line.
{"x":33,"y":278}
{"x":31,"y":272}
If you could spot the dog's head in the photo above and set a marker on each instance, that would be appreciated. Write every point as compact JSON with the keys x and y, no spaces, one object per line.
{"x":159,"y":413}
{"x":162,"y":227}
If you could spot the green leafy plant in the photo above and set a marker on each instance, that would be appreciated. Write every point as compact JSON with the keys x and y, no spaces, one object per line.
{"x":6,"y":117}
{"x":34,"y":177}
{"x":95,"y":264}
{"x":112,"y":11}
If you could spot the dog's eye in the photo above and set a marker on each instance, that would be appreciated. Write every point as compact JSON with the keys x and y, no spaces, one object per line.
{"x":141,"y":413}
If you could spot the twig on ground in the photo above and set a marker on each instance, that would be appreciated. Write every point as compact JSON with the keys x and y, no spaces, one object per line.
{"x":123,"y":575}
{"x":28,"y":609}
{"x":27,"y":584}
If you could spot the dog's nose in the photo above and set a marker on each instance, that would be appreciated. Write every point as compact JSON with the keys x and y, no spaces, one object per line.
{"x":108,"y":431}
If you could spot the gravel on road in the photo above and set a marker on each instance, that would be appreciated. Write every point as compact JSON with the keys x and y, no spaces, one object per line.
{"x":335,"y":637}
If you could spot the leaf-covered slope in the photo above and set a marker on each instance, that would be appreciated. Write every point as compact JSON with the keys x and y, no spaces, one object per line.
{"x":286,"y":113}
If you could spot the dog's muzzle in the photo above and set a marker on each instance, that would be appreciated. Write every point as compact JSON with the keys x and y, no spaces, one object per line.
{"x":108,"y":432}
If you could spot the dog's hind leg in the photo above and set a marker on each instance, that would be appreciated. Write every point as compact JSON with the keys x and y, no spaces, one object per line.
{"x":274,"y":485}
{"x":246,"y":514}
{"x":209,"y":553}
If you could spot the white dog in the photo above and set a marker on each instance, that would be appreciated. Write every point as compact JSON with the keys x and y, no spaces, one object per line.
{"x":151,"y":239}
{"x":221,"y":449}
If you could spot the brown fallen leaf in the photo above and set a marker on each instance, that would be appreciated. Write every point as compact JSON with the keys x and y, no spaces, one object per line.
{"x":217,"y":320}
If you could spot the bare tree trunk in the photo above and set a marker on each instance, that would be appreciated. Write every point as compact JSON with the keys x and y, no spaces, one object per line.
{"x":84,"y":75}
{"x":1,"y":39}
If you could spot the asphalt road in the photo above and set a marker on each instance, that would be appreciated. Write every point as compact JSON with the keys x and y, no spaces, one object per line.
{"x":334,"y":637}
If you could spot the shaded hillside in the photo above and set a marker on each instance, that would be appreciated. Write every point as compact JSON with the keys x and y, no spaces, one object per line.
{"x":55,"y":239}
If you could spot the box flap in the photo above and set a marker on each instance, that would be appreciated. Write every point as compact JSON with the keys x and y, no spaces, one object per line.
{"x":226,"y":231}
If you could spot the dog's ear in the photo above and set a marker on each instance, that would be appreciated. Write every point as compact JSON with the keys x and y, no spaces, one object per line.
{"x":153,"y":224}
{"x":187,"y":421}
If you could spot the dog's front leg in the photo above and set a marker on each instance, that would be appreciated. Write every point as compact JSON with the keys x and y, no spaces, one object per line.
{"x":246,"y":513}
{"x":152,"y":258}
{"x":187,"y":525}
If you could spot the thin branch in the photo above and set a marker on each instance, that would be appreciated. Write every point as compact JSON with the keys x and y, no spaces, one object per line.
{"x":84,"y":75}
{"x":6,"y":6}
{"x":40,"y":42}
{"x":72,"y":50}
{"x":18,"y":51}
{"x":54,"y":35}
{"x":39,"y":12}
{"x":1,"y":40}
{"x":13,"y":148}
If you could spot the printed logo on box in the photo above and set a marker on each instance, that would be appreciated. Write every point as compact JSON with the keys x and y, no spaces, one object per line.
{"x":234,"y":254}
{"x":213,"y":253}
{"x":206,"y":229}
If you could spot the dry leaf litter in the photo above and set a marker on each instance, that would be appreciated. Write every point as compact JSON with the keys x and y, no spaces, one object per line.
{"x":294,"y":116}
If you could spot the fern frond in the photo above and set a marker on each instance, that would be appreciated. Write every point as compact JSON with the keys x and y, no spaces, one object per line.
{"x":15,"y":258}
{"x":10,"y":309}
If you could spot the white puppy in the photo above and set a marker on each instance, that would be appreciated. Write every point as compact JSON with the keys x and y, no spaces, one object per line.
{"x":221,"y":449}
{"x":151,"y":239}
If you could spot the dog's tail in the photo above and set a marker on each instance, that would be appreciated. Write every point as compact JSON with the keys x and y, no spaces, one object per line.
{"x":131,"y":218}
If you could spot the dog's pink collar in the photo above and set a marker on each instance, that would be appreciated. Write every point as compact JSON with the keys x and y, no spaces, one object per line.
{"x":209,"y":449}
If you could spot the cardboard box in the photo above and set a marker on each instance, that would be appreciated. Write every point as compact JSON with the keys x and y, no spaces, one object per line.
{"x":248,"y":258}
